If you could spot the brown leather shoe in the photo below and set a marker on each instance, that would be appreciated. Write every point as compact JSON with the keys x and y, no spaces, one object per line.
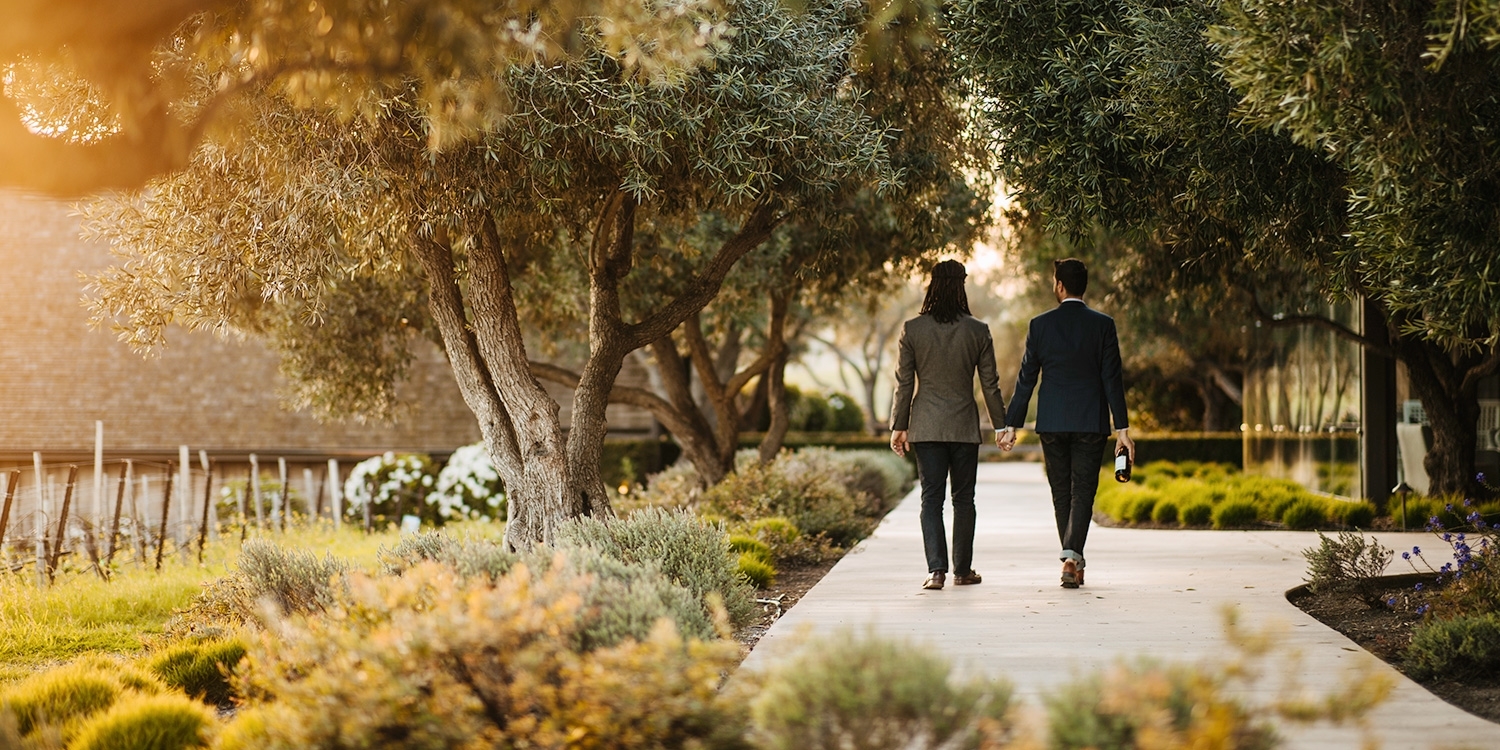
{"x":1070,"y":575}
{"x":1080,"y":576}
{"x":966,"y":579}
{"x":934,"y":580}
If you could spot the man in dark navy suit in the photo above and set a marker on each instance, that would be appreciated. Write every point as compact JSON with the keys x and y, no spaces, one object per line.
{"x":1076,"y":353}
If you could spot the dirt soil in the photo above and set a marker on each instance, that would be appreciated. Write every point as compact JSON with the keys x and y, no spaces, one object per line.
{"x":1386,"y":634}
{"x":791,"y":584}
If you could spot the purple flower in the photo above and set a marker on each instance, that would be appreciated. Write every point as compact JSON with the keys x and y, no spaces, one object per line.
{"x":1419,"y":587}
{"x":1424,"y":609}
{"x":1448,"y":507}
{"x":1405,"y":555}
{"x":1447,"y":537}
{"x":1479,"y":477}
{"x":1416,"y":550}
{"x":1391,"y":602}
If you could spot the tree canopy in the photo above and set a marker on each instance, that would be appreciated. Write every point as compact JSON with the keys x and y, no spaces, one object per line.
{"x":300,"y":220}
{"x":1265,"y":150}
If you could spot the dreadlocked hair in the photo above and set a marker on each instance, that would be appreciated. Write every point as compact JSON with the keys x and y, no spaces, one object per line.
{"x":946,"y":299}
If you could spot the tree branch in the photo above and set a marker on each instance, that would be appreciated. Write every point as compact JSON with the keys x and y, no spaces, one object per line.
{"x":755,"y":230}
{"x":641,"y":398}
{"x":1484,"y":369}
{"x":775,"y":344}
{"x":1317,"y":321}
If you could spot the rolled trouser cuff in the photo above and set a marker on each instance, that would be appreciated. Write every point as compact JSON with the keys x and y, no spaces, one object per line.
{"x":1068,"y":554}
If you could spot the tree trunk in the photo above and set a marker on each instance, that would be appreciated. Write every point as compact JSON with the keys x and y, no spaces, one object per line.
{"x":770,"y":445}
{"x":695,"y":434}
{"x":1439,"y":381}
{"x":868,"y":382}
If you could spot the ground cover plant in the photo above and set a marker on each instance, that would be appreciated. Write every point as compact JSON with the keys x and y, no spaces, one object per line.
{"x":1438,"y":623}
{"x":81,"y":614}
{"x":1191,"y":494}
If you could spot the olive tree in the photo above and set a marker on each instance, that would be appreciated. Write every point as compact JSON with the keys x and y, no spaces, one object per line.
{"x":137,"y":62}
{"x":855,"y":237}
{"x":298,"y":220}
{"x":1172,"y":124}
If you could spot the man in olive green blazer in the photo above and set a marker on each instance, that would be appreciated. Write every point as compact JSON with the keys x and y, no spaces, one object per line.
{"x":933,"y":412}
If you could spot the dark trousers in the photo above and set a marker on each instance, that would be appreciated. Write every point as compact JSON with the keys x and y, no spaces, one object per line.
{"x":1073,"y":462}
{"x":936,"y":464}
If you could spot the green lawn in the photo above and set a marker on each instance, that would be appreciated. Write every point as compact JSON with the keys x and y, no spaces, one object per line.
{"x":81,"y":614}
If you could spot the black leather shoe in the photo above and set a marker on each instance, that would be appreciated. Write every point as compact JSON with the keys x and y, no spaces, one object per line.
{"x":934,"y":580}
{"x":966,"y":579}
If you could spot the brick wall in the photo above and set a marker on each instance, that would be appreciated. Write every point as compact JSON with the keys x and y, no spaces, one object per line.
{"x":57,"y":375}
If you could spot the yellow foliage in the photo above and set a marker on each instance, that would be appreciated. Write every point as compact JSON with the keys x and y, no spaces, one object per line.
{"x":427,"y":659}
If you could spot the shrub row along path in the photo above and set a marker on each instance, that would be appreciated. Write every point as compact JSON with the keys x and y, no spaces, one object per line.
{"x":1153,"y":593}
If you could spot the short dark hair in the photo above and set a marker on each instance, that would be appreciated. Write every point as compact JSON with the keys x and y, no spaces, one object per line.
{"x":1073,"y":275}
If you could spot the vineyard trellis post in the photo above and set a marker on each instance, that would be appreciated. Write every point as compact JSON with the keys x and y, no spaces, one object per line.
{"x":255,"y":491}
{"x":208,"y":498}
{"x":166,"y":508}
{"x":336,"y":493}
{"x":62,"y":524}
{"x":282,"y":508}
{"x":39,"y":523}
{"x":12,"y":479}
{"x":96,"y":515}
{"x":114,"y":523}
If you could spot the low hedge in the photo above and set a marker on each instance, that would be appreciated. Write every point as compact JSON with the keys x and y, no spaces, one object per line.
{"x":1226,"y":448}
{"x":1194,"y":494}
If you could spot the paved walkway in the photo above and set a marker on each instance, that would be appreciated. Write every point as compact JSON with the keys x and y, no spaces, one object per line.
{"x":1150,"y":592}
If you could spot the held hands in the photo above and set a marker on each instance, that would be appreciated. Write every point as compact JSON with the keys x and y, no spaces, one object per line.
{"x":899,"y":443}
{"x":1005,"y":439}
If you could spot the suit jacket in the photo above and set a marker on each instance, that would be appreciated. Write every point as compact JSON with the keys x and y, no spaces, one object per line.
{"x":934,"y":399}
{"x":1076,"y":352}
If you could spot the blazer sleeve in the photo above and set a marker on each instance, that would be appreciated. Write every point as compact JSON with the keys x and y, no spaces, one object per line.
{"x":1031,"y":367}
{"x":1113,"y":379}
{"x":906,"y":380}
{"x":989,"y":381}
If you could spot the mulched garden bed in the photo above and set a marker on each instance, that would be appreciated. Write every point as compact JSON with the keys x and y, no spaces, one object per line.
{"x":1386,"y":633}
{"x":791,"y":584}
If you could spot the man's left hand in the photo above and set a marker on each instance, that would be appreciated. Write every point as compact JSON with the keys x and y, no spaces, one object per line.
{"x":1124,"y":439}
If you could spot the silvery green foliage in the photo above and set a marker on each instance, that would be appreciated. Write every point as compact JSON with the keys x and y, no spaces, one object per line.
{"x":468,"y":486}
{"x":623,"y":599}
{"x":689,"y":551}
{"x":298,"y":229}
{"x":393,"y":485}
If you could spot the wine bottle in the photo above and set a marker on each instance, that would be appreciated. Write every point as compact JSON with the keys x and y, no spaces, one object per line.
{"x":1122,"y":465}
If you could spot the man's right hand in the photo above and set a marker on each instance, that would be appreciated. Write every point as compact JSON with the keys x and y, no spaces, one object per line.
{"x":1005,"y":439}
{"x":899,"y":443}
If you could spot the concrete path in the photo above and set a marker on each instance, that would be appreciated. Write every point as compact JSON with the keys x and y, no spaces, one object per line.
{"x":1149,"y":593}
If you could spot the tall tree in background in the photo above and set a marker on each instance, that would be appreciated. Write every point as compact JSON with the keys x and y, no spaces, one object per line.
{"x":312,"y":218}
{"x":1403,"y":97}
{"x":1118,"y":114}
{"x":858,"y":236}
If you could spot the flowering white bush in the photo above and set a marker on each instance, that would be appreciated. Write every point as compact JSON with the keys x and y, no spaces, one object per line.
{"x":469,"y":487}
{"x":393,"y":485}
